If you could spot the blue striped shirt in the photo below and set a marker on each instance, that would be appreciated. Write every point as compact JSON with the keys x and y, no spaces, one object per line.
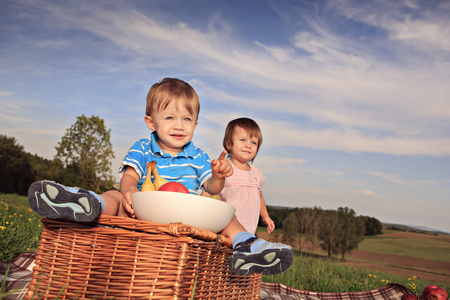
{"x":191,"y":167}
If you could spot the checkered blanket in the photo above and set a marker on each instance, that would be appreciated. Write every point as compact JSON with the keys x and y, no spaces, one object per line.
{"x":19,"y":276}
{"x":278,"y":291}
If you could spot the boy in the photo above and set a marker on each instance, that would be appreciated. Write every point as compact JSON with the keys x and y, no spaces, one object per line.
{"x":172,"y":116}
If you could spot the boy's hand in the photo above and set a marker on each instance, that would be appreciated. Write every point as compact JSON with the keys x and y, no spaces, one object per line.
{"x":126,"y":203}
{"x":221,"y":167}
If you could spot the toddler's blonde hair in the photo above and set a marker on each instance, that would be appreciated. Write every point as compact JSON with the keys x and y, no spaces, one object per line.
{"x":163,"y":93}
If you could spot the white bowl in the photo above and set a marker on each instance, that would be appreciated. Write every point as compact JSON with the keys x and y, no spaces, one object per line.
{"x":168,"y":207}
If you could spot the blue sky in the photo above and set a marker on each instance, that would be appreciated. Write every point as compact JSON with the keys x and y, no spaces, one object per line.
{"x":352,"y":96}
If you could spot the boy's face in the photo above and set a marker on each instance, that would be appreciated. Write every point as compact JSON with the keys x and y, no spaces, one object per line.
{"x":244,"y":147}
{"x":174,"y":126}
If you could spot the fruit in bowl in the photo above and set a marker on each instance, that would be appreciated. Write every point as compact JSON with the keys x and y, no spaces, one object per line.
{"x":173,"y":187}
{"x":169,"y":207}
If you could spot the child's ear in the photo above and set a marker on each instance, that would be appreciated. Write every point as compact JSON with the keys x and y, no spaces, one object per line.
{"x":228,"y":148}
{"x":149,"y":121}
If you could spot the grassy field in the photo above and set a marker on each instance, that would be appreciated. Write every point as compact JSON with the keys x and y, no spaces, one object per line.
{"x":20,"y":229}
{"x":425,"y":246}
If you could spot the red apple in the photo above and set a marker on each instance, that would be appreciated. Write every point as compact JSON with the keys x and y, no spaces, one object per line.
{"x":433,"y":292}
{"x":174,"y":187}
{"x":426,"y":290}
{"x":409,"y":296}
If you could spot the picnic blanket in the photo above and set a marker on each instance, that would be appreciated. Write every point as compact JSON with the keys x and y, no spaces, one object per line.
{"x":278,"y":291}
{"x":19,"y":276}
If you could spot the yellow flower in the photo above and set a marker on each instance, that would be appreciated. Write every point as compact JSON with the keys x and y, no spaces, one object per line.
{"x":2,"y":227}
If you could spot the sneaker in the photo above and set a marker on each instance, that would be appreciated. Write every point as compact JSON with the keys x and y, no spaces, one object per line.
{"x":56,"y":201}
{"x":271,"y":258}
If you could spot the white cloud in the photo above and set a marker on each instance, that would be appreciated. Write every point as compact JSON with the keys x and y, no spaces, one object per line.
{"x":370,"y":193}
{"x":389,"y":177}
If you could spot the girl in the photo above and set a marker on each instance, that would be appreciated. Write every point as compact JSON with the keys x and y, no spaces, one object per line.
{"x":243,"y":189}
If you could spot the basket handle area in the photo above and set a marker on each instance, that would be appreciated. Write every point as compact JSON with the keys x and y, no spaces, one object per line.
{"x":175,"y":229}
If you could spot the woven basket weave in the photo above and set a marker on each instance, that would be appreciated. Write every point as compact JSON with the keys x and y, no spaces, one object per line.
{"x":121,"y":258}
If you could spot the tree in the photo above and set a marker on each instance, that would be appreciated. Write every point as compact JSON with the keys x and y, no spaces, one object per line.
{"x":17,"y":174}
{"x":290,"y":229}
{"x":351,"y":231}
{"x":329,"y":231}
{"x":86,"y":152}
{"x":312,"y":234}
{"x":372,"y":226}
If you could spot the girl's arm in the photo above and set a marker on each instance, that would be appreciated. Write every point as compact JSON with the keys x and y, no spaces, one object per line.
{"x":265,"y":214}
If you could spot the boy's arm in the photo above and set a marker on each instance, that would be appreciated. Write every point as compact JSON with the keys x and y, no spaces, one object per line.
{"x":220,"y":168}
{"x":265,"y":214}
{"x":128,"y":186}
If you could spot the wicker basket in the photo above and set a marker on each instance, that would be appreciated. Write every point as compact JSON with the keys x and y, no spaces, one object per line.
{"x":121,"y":258}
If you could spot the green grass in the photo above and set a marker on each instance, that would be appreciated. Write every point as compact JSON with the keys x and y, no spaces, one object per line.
{"x":320,"y":275}
{"x":20,"y":227}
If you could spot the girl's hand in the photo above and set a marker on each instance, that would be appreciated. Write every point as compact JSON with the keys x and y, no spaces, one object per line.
{"x":221,"y":167}
{"x":270,"y":224}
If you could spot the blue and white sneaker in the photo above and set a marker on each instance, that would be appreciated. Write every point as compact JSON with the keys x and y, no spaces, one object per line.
{"x":56,"y":201}
{"x":267,"y":259}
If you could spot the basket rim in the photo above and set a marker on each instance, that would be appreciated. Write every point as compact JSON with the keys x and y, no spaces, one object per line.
{"x":176,"y":229}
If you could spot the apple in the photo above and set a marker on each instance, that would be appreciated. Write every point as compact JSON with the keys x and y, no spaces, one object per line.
{"x":432,"y":292}
{"x":426,"y":290}
{"x":409,"y":296}
{"x":174,"y":187}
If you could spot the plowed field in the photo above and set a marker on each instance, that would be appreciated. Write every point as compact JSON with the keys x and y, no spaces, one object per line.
{"x":424,"y":269}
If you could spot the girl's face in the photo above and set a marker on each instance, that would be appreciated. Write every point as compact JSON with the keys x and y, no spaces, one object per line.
{"x":174,"y":126}
{"x":244,"y":147}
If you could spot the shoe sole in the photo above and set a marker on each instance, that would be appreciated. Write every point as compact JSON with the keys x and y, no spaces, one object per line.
{"x":267,"y":262}
{"x":53,"y":201}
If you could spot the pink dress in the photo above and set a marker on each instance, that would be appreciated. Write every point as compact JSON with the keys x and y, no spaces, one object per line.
{"x":242,"y":191}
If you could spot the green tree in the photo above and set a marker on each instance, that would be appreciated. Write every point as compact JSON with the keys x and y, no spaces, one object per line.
{"x":313,"y":229}
{"x":17,"y":174}
{"x":291,"y":228}
{"x":277,"y":214}
{"x":329,"y":232}
{"x":86,"y":152}
{"x":45,"y":168}
{"x":372,"y":226}
{"x":351,"y":231}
